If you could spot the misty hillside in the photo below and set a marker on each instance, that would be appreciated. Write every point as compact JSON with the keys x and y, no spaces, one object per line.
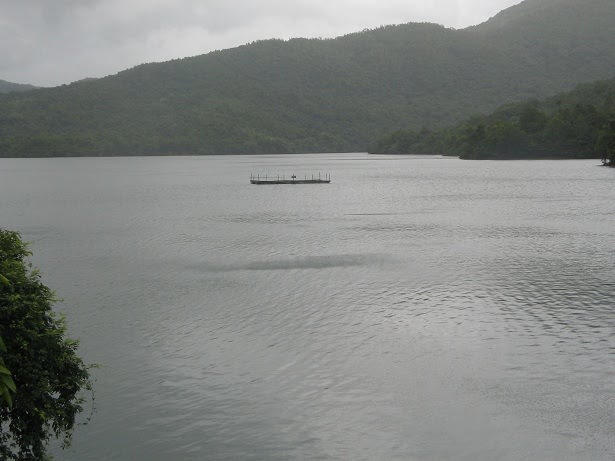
{"x":575,"y":124}
{"x":312,"y":95}
{"x":9,"y":87}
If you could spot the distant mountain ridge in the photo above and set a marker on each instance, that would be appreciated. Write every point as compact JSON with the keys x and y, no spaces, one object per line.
{"x":562,"y":36}
{"x":9,"y":87}
{"x":311,"y":95}
{"x":519,"y":12}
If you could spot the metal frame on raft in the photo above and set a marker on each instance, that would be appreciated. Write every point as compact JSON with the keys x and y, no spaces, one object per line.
{"x":293,"y":179}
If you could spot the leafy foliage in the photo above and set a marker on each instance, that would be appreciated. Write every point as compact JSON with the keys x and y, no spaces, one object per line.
{"x":578,"y":124}
{"x":9,"y":87}
{"x":7,"y":385}
{"x":312,"y":95}
{"x":47,"y":372}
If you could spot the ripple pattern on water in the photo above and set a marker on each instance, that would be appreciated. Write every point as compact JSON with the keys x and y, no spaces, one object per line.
{"x":415,"y":308}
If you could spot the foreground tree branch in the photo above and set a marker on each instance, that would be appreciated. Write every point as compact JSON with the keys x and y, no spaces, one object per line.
{"x":49,"y":377}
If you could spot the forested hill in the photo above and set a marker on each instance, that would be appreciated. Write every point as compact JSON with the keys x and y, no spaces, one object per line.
{"x":8,"y":87}
{"x":318,"y":95}
{"x":577,"y":124}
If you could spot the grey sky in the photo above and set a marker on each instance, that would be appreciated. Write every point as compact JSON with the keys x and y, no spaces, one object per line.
{"x":50,"y":42}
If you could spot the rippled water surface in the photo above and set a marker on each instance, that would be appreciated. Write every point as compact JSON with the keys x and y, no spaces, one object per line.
{"x":413,"y":309}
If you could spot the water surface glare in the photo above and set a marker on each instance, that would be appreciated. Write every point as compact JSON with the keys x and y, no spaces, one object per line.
{"x":413,"y":309}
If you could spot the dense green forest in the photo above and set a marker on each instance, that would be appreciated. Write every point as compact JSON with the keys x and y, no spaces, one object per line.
{"x":313,"y":95}
{"x":9,"y":87}
{"x":577,"y":124}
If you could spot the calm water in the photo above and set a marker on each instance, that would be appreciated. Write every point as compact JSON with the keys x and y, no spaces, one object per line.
{"x":414,"y":309}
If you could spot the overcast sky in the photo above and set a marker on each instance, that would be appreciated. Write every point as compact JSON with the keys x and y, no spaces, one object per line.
{"x":50,"y":42}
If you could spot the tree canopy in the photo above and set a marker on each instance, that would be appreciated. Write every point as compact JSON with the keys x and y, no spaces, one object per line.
{"x":49,"y":377}
{"x":312,"y":95}
{"x":577,"y":124}
{"x":7,"y":385}
{"x":9,"y":87}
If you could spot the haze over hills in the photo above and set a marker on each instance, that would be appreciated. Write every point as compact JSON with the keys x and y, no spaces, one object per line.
{"x":310,"y":95}
{"x":576,"y":124}
{"x":9,"y":87}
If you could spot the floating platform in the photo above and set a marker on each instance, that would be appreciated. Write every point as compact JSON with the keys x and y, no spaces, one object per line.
{"x":293,"y":180}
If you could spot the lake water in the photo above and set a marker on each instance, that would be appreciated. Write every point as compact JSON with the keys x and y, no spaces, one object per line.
{"x":413,"y":309}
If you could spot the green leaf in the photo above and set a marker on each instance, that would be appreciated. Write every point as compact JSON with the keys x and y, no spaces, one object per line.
{"x":6,"y":395}
{"x":8,"y":382}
